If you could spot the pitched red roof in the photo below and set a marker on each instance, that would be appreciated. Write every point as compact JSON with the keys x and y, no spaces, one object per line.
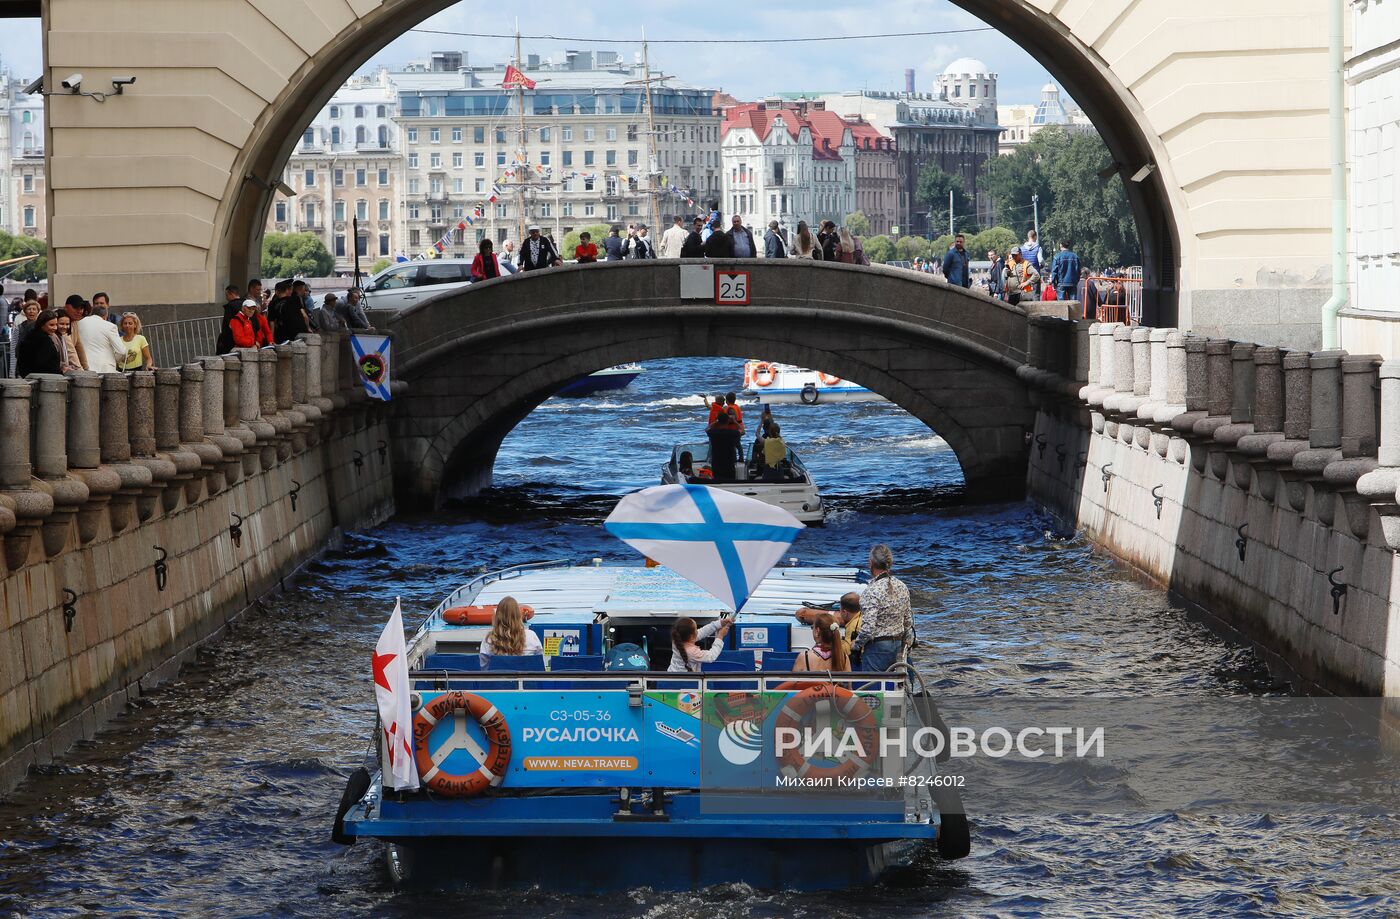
{"x":867,"y":136}
{"x":827,"y":128}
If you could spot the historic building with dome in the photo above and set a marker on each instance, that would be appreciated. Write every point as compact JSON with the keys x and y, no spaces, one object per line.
{"x":1019,"y":123}
{"x":954,"y":125}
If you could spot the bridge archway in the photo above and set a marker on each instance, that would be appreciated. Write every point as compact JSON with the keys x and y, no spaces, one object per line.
{"x":478,"y":362}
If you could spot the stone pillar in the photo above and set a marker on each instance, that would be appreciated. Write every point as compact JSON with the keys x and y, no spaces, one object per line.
{"x":168,"y":439}
{"x":1175,"y":399}
{"x":1242,"y":396}
{"x":51,"y":459}
{"x":1156,"y":373}
{"x":215,"y":420}
{"x":1105,"y":387}
{"x":250,"y":405}
{"x":334,"y":343}
{"x":310,"y":415}
{"x":114,"y":431}
{"x":1196,"y":381}
{"x":192,"y":439}
{"x":85,"y":452}
{"x":24,"y":507}
{"x":1268,"y":406}
{"x":1090,"y":360}
{"x":1380,"y":485}
{"x":296,"y":422}
{"x":234,"y":425}
{"x":142,"y":422}
{"x":1325,"y":433}
{"x":269,"y":402}
{"x":1359,"y":437}
{"x":1219,"y":388}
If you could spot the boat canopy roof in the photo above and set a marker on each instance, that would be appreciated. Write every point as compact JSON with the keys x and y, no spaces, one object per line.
{"x":637,"y":591}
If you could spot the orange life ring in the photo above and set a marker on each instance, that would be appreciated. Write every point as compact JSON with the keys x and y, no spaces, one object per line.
{"x":764,"y":374}
{"x":853,"y":711}
{"x":493,"y":724}
{"x":478,"y":615}
{"x":828,"y":379}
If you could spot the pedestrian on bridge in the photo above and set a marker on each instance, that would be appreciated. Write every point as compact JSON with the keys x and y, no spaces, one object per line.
{"x":806,"y":245}
{"x":1064,"y":273}
{"x":741,"y":239}
{"x":584,"y":253}
{"x":994,"y":279}
{"x":673,"y":240}
{"x":486,"y":266}
{"x":233,"y":302}
{"x":640,"y":246}
{"x":538,"y":252}
{"x":352,"y":313}
{"x":613,"y":245}
{"x":773,"y":244}
{"x":694,"y":246}
{"x":957,"y":268}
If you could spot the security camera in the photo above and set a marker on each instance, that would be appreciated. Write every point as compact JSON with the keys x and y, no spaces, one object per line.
{"x":74,"y":83}
{"x":119,"y":83}
{"x":36,"y":87}
{"x":285,"y":189}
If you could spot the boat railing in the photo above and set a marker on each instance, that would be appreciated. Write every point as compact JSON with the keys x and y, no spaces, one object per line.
{"x":481,"y":580}
{"x":638,"y":681}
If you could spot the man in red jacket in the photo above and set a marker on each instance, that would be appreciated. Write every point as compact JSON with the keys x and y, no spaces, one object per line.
{"x":249,"y":327}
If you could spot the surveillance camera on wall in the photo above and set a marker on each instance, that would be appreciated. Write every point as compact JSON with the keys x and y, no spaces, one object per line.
{"x":35,"y":87}
{"x":120,"y":83}
{"x":74,"y":83}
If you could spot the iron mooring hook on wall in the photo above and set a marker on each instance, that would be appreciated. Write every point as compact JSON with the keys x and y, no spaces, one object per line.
{"x":1060,"y":454}
{"x":1106,"y":474}
{"x":383,"y":449}
{"x":359,"y":462}
{"x":1041,"y":442}
{"x":1339,"y":590}
{"x":235,"y":529}
{"x":296,"y":488}
{"x":1083,"y":460}
{"x":1157,"y":500}
{"x":70,"y":611}
{"x":161,"y":568}
{"x":1243,"y":542}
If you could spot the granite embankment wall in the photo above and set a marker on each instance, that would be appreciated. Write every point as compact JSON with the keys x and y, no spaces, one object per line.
{"x":1256,"y":482}
{"x":139,"y":512}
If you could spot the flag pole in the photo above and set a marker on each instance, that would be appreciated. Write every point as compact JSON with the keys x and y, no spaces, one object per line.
{"x":520,"y":139}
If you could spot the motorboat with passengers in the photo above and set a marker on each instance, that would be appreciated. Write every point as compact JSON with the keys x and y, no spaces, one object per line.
{"x":590,"y":767}
{"x":790,"y":486}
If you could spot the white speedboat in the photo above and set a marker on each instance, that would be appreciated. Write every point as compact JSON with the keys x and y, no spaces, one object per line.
{"x":772,"y":382}
{"x":790,"y":487}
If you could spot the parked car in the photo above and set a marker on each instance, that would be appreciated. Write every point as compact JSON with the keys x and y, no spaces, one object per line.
{"x":407,"y":283}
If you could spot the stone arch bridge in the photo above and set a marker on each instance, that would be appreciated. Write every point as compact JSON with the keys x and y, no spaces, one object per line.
{"x":1215,"y":115}
{"x":479,"y":361}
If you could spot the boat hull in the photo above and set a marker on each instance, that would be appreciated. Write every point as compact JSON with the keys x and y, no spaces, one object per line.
{"x":823,"y":395}
{"x":603,"y":381}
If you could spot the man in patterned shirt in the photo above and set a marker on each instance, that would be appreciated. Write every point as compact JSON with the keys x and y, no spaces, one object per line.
{"x":887,"y":620}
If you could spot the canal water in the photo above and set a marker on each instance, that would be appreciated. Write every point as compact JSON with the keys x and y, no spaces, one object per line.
{"x":214,"y":796}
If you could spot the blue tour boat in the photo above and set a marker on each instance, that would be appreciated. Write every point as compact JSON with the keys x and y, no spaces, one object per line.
{"x":590,"y":767}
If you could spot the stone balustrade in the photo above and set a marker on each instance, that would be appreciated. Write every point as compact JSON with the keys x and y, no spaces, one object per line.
{"x":1323,"y":425}
{"x":121,"y":447}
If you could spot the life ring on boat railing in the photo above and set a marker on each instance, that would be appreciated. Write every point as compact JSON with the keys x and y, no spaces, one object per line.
{"x":493,"y":725}
{"x":853,"y":711}
{"x":478,"y":615}
{"x":764,"y":374}
{"x":828,"y":379}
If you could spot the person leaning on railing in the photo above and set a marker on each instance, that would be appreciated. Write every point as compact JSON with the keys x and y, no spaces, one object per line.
{"x":138,"y":350}
{"x":249,"y":327}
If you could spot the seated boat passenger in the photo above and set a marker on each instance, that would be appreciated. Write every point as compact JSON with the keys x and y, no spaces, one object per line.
{"x":829,"y":650}
{"x":686,"y":656}
{"x":508,"y":636}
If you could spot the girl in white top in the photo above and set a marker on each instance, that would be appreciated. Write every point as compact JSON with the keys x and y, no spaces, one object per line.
{"x":508,"y":635}
{"x":686,"y":657}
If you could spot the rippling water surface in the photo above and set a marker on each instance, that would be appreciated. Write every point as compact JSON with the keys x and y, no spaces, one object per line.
{"x":214,"y":796}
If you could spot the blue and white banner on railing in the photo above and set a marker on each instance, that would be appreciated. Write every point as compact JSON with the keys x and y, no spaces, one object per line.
{"x":722,"y":542}
{"x":374,"y":358}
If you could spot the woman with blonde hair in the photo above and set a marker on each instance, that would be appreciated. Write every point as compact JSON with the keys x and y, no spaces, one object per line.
{"x":828,"y":651}
{"x":138,"y":350}
{"x":508,"y":636}
{"x":806,"y":245}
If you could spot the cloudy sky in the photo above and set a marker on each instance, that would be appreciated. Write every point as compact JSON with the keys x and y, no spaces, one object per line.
{"x":746,"y":71}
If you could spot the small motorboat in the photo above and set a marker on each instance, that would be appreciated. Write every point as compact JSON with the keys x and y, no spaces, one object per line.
{"x":772,"y":382}
{"x":619,"y":377}
{"x":790,"y":487}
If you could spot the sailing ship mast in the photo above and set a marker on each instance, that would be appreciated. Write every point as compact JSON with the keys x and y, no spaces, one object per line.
{"x":652,"y":165}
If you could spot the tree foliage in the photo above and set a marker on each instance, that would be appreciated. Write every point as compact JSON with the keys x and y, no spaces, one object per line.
{"x":380,"y":266}
{"x":1075,"y":203}
{"x":597,"y":231}
{"x":286,"y":255}
{"x":879,"y":249}
{"x":858,"y":223}
{"x":931,"y":194}
{"x":18,"y":246}
{"x":999,"y":239}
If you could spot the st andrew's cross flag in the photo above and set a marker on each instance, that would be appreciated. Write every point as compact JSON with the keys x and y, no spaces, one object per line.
{"x":395,"y":709}
{"x":374,"y":356}
{"x":722,"y":542}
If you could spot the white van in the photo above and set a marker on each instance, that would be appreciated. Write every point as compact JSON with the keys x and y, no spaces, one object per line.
{"x":407,"y":283}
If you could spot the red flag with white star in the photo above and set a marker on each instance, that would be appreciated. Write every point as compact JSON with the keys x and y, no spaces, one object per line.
{"x":391,"y":688}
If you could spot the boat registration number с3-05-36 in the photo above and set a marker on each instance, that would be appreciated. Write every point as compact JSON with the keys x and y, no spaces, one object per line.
{"x":560,"y":714}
